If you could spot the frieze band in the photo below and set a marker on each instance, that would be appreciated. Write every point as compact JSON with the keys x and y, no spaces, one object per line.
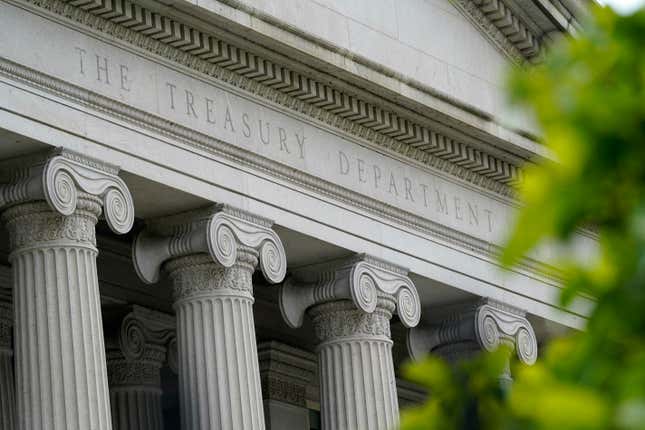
{"x":241,"y":68}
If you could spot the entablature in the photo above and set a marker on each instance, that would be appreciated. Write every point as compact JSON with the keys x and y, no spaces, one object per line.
{"x":159,"y":79}
{"x":213,"y":57}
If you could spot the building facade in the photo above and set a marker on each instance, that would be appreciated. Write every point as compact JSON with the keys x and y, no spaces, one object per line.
{"x":237,"y":214}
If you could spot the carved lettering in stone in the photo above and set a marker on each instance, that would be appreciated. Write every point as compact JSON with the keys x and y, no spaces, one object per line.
{"x":433,"y":199}
{"x":101,"y":68}
{"x":231,"y":115}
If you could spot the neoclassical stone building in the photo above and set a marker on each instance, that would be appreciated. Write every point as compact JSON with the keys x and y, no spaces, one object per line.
{"x":238,"y":214}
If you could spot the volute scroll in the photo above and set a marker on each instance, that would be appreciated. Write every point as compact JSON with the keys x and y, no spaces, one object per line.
{"x":219,"y":231}
{"x":361,"y":279}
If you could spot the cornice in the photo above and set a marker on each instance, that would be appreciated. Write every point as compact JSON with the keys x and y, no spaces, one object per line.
{"x":503,"y":28}
{"x":216,"y":58}
{"x":144,"y":38}
{"x":513,"y":27}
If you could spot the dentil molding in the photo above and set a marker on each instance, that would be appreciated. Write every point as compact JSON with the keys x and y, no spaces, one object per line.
{"x":362,"y":279}
{"x":485,"y":324}
{"x":176,"y":41}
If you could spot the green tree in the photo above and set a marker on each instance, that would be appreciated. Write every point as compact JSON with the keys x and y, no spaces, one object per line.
{"x":589,"y":99}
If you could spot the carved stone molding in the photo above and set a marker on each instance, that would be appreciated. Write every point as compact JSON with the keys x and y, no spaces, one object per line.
{"x":36,"y":225}
{"x":364,"y":280}
{"x":174,"y":40}
{"x":255,"y":161}
{"x":340,"y":320}
{"x":286,"y":373}
{"x":482,"y":325}
{"x":61,"y":178}
{"x":224,"y":233}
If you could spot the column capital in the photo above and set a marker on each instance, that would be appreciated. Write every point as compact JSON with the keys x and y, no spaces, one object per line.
{"x":483,"y":324}
{"x":361,"y":279}
{"x":138,"y":342}
{"x":135,"y":333}
{"x":220,"y":231}
{"x":58,"y":177}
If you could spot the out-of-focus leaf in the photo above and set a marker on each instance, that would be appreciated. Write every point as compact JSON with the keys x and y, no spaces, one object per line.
{"x":589,"y":99}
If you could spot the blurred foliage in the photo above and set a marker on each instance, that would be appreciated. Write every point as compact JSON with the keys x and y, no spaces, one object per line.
{"x":589,"y":99}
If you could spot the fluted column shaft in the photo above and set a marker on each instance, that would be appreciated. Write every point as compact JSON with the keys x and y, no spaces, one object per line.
{"x":135,"y":393}
{"x":350,"y":303}
{"x":217,"y":355}
{"x":357,"y":382}
{"x":7,"y":393}
{"x":61,"y":374}
{"x":210,"y":256}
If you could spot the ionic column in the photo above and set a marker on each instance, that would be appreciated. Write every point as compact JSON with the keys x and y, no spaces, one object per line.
{"x":50,"y":208}
{"x":350,"y":305}
{"x":466,"y":329}
{"x":7,"y":393}
{"x":210,"y":257}
{"x":138,"y":342}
